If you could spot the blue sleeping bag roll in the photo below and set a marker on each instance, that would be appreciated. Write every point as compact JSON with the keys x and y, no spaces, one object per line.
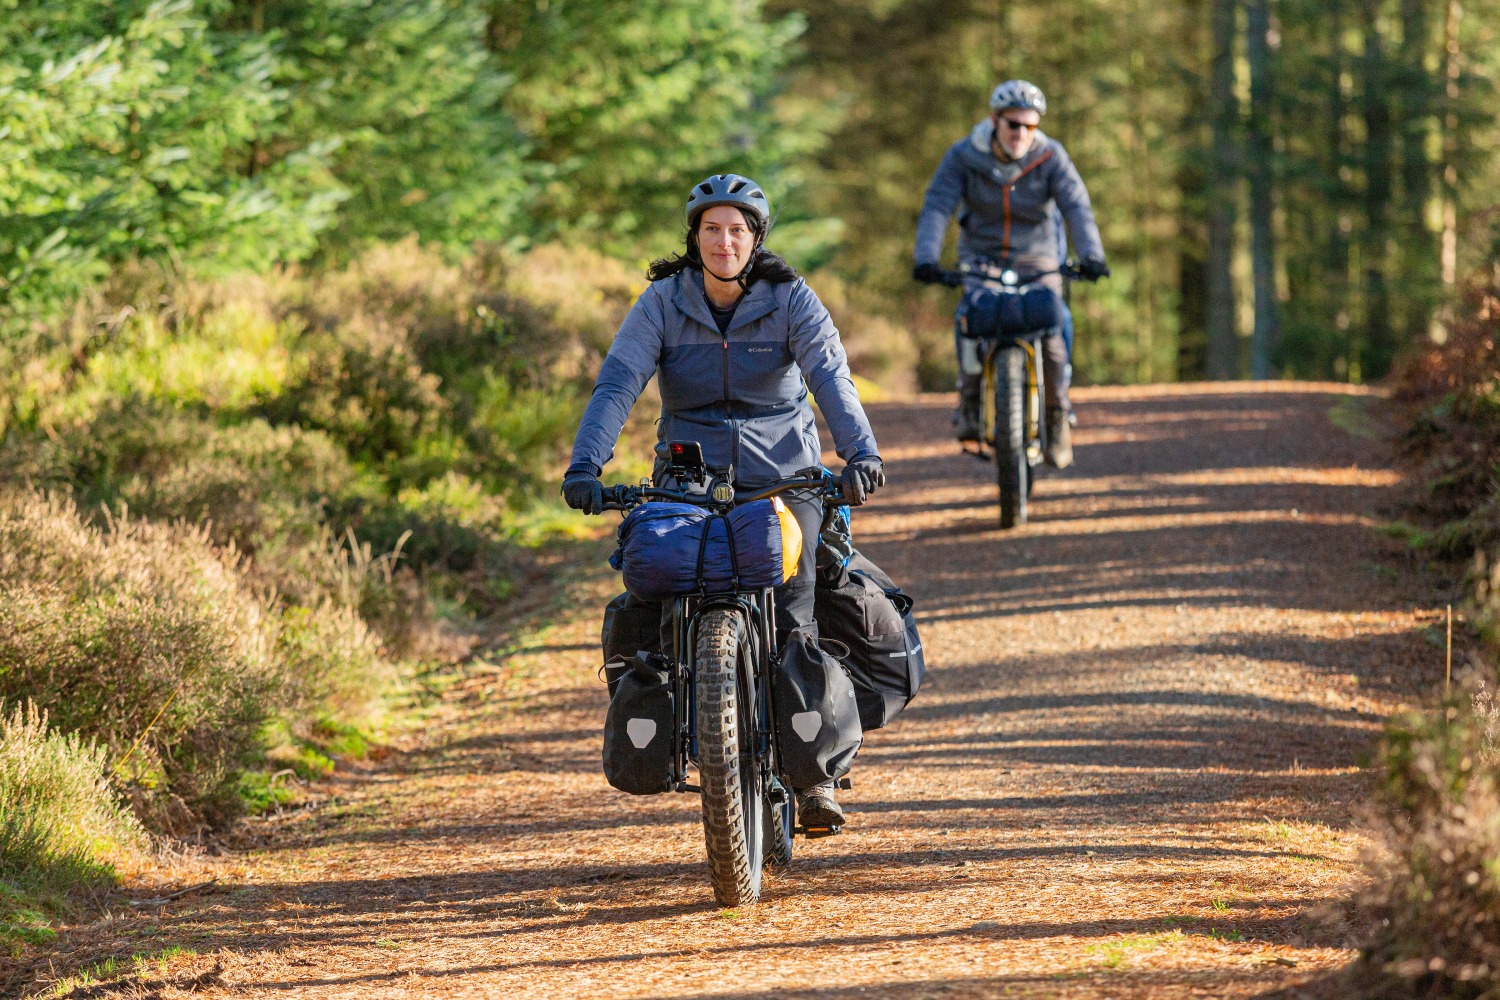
{"x":669,"y":549}
{"x":993,"y":312}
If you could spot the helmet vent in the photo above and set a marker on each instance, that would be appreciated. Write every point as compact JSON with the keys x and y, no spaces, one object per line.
{"x":736,"y":187}
{"x":705,"y":188}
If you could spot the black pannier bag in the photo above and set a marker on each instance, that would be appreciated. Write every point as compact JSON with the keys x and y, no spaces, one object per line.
{"x":638,"y":727}
{"x":817,"y":716}
{"x":630,"y":625}
{"x":873,"y":617}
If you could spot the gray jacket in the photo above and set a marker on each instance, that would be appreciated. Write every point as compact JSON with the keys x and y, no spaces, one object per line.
{"x":1007,"y":212}
{"x":741,"y":395}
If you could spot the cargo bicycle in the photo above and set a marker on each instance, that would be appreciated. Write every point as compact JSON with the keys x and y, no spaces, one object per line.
{"x":723,"y":648}
{"x":1003,"y":318}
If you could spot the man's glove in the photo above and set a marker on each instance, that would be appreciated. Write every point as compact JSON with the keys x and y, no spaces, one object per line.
{"x":1093,"y":268}
{"x":928,"y":274}
{"x":583,"y":491}
{"x":862,"y":477}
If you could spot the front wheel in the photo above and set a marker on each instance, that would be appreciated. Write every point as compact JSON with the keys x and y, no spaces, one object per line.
{"x":1013,"y":468}
{"x":734,"y":815}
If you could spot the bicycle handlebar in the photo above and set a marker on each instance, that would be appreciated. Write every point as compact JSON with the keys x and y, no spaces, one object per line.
{"x":954,"y":279}
{"x":625,"y":497}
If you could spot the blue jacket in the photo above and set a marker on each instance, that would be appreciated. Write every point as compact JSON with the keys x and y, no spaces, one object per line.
{"x":741,"y":395}
{"x":1014,"y":219}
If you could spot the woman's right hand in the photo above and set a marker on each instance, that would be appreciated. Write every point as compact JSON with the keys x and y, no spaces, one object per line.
{"x":583,"y":491}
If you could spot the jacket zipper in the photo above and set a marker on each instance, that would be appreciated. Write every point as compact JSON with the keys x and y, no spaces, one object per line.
{"x":734,"y":425}
{"x":1005,"y":190}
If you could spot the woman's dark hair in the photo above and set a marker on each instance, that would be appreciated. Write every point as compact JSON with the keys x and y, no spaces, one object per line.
{"x":764,"y":265}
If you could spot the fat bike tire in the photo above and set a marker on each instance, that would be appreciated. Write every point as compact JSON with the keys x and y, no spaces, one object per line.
{"x":1013,"y":470}
{"x":734,"y":814}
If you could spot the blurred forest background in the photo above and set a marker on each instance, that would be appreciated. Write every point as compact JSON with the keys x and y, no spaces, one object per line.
{"x":299,"y":301}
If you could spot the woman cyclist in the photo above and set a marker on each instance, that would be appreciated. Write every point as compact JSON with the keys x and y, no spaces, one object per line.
{"x":736,"y":340}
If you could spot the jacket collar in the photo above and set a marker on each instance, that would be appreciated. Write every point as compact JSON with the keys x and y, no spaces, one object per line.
{"x":979,"y":153}
{"x":690,"y":300}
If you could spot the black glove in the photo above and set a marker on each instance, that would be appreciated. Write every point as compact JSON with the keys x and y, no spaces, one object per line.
{"x":1093,"y":268}
{"x":583,"y":491}
{"x":928,"y":274}
{"x":862,"y":477}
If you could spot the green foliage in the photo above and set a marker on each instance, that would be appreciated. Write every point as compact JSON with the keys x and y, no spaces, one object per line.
{"x":625,"y":112}
{"x":61,"y":824}
{"x":123,"y":129}
{"x":407,"y":99}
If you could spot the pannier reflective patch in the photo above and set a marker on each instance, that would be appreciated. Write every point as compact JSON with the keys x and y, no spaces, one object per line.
{"x":641,"y":732}
{"x":902,"y":656}
{"x":807,"y":724}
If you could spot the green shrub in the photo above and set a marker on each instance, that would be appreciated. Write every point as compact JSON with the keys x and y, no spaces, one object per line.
{"x":62,"y":827}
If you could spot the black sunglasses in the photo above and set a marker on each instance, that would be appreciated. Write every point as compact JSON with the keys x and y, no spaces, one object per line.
{"x":1018,"y":125}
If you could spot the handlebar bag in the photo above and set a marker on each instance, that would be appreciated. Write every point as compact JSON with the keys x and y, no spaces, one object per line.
{"x":990,"y":312}
{"x":669,"y":549}
{"x":638,"y":749}
{"x":817,"y":717}
{"x":630,"y":625}
{"x":873,"y":617}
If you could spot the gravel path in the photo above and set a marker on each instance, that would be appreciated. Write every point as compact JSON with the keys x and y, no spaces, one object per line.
{"x":1135,"y":771}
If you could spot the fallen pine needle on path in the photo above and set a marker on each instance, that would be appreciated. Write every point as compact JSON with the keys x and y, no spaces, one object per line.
{"x":1136,"y":769}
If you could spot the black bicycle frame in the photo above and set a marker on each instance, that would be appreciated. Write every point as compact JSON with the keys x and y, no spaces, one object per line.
{"x":758,"y":609}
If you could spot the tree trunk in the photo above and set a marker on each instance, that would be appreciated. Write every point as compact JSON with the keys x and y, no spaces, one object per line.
{"x":1337,"y":285}
{"x":1416,"y":244}
{"x":1452,"y":68}
{"x":1262,"y":178}
{"x":1223,"y":345}
{"x":1379,"y":347}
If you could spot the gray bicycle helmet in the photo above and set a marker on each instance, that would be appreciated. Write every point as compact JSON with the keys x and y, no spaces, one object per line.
{"x":728,"y":189}
{"x":1018,"y":94}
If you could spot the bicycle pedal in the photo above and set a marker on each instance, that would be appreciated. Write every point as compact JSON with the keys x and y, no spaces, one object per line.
{"x":845,"y":784}
{"x":817,"y":832}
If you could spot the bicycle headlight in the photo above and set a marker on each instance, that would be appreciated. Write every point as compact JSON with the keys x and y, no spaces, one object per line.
{"x":723,"y":493}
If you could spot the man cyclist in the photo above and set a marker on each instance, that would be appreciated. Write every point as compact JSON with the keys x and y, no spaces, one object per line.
{"x":1010,"y":185}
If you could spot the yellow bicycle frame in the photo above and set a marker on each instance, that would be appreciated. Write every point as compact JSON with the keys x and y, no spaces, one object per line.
{"x":1033,"y":435}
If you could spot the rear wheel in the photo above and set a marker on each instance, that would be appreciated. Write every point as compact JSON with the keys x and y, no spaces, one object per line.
{"x":1013,"y":470}
{"x":734,"y":814}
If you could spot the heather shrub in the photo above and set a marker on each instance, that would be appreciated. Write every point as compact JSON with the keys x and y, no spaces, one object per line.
{"x":60,"y":821}
{"x":139,"y":635}
{"x":1434,"y":903}
{"x":62,"y":826}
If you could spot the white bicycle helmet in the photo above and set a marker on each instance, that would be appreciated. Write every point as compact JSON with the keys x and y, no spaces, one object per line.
{"x":1018,"y":94}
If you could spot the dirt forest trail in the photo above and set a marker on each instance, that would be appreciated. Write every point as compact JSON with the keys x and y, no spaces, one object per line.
{"x":1135,"y":770}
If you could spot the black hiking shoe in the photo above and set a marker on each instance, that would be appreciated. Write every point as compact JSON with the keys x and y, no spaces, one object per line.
{"x":1059,"y":439}
{"x":817,"y":809}
{"x":966,"y":425}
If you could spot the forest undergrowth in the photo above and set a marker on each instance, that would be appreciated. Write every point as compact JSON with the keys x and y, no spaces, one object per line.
{"x":1433,"y":905}
{"x":241,"y":515}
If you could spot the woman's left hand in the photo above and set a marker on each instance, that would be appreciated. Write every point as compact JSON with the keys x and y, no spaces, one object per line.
{"x":862,"y":477}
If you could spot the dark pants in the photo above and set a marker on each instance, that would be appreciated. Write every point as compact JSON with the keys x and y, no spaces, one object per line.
{"x":1057,"y":370}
